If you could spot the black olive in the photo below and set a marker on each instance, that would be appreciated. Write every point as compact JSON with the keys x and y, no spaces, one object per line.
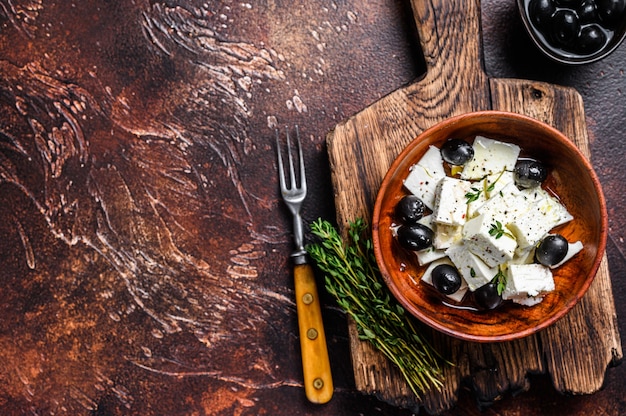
{"x":457,"y":152}
{"x":446,"y":279}
{"x":565,"y":26}
{"x":611,"y":12}
{"x":410,"y":209}
{"x":540,"y":12}
{"x":415,"y":237}
{"x":529,"y":173}
{"x":487,"y":297}
{"x":591,"y":39}
{"x":551,"y":250}
{"x":587,"y":12}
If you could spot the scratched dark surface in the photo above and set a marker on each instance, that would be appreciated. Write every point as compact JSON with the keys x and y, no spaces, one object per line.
{"x":143,"y":249}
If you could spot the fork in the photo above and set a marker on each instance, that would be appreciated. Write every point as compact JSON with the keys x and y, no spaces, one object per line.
{"x":318,"y":383}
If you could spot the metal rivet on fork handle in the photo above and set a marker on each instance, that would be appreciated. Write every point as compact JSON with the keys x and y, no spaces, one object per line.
{"x":318,"y":383}
{"x":307,"y":298}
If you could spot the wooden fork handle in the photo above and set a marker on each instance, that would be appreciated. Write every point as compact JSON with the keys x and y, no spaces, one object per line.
{"x":318,"y":382}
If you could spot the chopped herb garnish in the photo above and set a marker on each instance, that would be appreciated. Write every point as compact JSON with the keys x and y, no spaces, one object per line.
{"x":497,"y":231}
{"x":500,"y":281}
{"x":492,"y":185}
{"x":473,"y":196}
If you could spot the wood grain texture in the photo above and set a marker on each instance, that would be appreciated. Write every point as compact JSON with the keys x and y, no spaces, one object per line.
{"x":578,"y":349}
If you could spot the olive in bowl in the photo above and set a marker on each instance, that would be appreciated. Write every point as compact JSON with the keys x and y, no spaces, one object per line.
{"x":575,"y":31}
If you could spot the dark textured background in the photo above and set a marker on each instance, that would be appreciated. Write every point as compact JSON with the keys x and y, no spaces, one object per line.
{"x":144,"y":249}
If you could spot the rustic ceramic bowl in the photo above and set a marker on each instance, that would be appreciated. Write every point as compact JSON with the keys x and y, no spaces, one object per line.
{"x":571,"y":177}
{"x":615,"y":34}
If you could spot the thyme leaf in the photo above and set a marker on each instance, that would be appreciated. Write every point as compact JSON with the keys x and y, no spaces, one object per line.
{"x":473,"y":195}
{"x":500,"y":281}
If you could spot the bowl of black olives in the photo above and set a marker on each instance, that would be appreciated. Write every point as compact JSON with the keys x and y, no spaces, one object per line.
{"x":575,"y":31}
{"x":425,"y":262}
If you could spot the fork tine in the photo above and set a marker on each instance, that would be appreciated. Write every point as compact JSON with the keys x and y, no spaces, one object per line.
{"x":292,"y":173}
{"x":293,"y":177}
{"x":301,"y":160}
{"x":281,"y":170}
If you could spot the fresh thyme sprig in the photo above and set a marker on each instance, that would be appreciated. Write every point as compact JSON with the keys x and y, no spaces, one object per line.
{"x":492,"y":186}
{"x":497,"y":230}
{"x":475,"y":192}
{"x":473,"y":195}
{"x":500,"y":281}
{"x":352,"y":277}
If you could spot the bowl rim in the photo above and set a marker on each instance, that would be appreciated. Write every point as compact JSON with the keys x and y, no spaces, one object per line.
{"x":412,"y":309}
{"x":583,"y":60}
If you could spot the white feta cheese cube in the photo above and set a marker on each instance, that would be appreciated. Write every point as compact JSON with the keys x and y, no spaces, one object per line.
{"x":487,"y":188}
{"x":528,"y":300}
{"x":527,"y":280}
{"x":534,"y":224}
{"x":552,"y":208}
{"x":429,"y":255}
{"x":572,"y":250}
{"x":506,"y":205}
{"x":492,"y":249}
{"x":524,"y":256}
{"x":427,"y":220}
{"x":550,"y":205}
{"x":424,"y":176}
{"x":428,"y":278}
{"x":533,"y":194}
{"x":473,"y":270}
{"x":478,"y":198}
{"x":545,"y":214}
{"x":433,"y":162}
{"x":495,"y":182}
{"x":447,"y":235}
{"x":421,"y":183}
{"x":451,"y":203}
{"x":490,"y":156}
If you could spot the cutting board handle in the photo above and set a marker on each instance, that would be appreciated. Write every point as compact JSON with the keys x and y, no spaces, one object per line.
{"x":455,"y":81}
{"x":449,"y":32}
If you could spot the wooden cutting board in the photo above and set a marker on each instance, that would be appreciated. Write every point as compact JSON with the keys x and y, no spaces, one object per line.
{"x":578,"y":349}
